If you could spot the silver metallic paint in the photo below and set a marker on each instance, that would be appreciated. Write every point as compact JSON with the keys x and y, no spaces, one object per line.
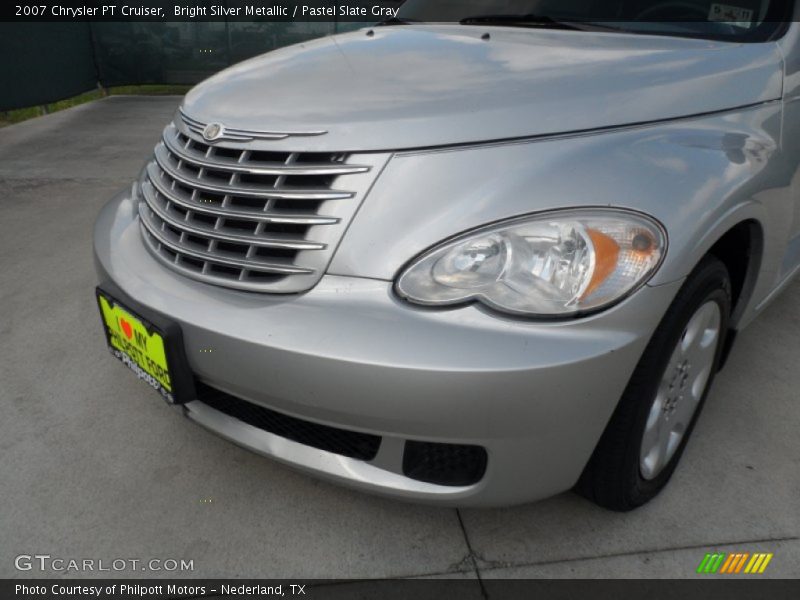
{"x":349,"y":354}
{"x":698,"y":177}
{"x":434,"y":85}
{"x":537,"y":395}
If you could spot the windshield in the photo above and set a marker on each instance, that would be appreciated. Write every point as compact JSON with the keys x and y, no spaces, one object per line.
{"x":742,"y":20}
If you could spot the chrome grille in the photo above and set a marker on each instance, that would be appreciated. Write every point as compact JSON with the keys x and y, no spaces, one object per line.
{"x":246,"y":218}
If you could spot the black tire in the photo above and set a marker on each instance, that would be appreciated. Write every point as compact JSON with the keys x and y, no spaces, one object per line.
{"x":612,"y":478}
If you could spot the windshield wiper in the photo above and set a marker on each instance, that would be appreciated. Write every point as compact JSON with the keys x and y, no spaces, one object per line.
{"x":527,"y":20}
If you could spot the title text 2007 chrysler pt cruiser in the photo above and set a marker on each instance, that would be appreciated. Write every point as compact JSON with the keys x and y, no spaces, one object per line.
{"x":477,"y":261}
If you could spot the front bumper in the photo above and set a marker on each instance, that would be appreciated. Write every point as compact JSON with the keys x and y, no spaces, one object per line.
{"x":348,"y":354}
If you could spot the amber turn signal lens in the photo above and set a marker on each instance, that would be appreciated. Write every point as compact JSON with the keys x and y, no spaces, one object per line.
{"x":606,"y":252}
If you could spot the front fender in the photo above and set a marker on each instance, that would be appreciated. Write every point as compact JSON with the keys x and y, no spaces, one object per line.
{"x":699,"y":177}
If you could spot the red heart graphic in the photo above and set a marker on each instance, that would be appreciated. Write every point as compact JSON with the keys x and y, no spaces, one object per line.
{"x":126,"y":328}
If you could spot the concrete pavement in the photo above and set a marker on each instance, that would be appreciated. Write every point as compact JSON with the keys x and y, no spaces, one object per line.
{"x":95,"y":465}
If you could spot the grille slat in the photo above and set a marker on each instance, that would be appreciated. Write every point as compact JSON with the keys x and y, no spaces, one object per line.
{"x":245,"y":214}
{"x":219,"y":258}
{"x":214,"y":233}
{"x":245,"y":191}
{"x":191,"y":203}
{"x":242,"y":165}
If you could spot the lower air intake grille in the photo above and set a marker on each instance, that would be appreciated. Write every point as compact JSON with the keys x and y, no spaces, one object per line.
{"x":444,"y":464}
{"x":352,"y":444}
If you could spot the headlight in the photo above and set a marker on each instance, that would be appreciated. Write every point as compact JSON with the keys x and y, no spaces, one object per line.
{"x":554,"y":264}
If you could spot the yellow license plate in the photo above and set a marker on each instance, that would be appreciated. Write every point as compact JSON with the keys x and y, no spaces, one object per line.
{"x":138,"y":344}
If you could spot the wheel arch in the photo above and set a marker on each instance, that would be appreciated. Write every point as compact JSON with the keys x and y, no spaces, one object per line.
{"x":741,"y":250}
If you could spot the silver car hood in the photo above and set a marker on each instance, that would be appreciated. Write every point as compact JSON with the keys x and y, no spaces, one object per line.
{"x":419,"y":86}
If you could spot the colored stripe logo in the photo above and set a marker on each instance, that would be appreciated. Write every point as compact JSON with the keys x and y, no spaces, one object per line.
{"x":735,"y":563}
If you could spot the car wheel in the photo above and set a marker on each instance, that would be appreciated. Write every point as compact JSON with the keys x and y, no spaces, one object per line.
{"x":644,"y":440}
